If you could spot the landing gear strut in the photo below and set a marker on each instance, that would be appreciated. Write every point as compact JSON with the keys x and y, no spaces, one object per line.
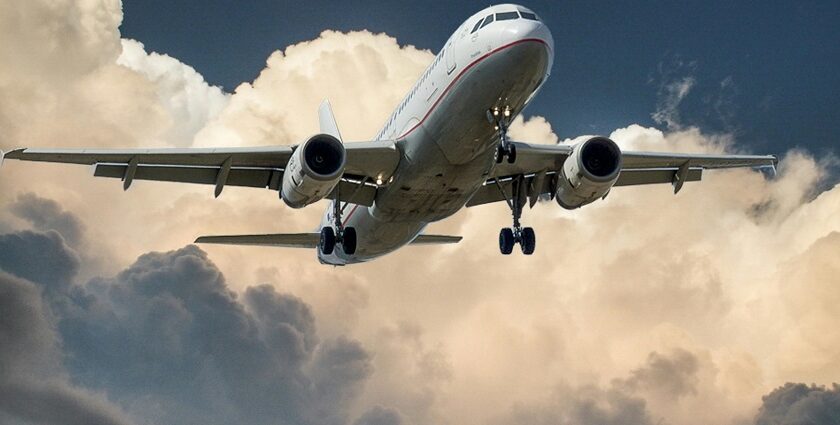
{"x":510,"y":236}
{"x":338,"y":234}
{"x":501,"y":121}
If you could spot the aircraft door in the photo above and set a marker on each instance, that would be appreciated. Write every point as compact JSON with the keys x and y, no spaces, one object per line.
{"x":449,"y":56}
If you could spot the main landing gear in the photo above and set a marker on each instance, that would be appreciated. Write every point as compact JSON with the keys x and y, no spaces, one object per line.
{"x":510,"y":236}
{"x":501,"y":121}
{"x":345,"y":236}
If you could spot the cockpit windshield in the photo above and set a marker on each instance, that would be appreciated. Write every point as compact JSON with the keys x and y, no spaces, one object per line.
{"x":506,"y":16}
{"x":528,"y":15}
{"x":503,"y":16}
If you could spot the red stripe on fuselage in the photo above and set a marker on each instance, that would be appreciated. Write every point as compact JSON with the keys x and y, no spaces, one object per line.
{"x":449,"y":88}
{"x":460,"y":74}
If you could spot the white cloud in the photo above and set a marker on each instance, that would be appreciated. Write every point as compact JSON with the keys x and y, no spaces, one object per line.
{"x":736,"y":270}
{"x":189,"y":101}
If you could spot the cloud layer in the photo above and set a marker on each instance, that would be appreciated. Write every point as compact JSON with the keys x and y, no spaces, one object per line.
{"x":643,"y":308}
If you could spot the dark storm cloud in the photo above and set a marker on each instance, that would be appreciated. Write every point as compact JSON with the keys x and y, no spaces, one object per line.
{"x":165,"y":338}
{"x":379,"y":415}
{"x":671,"y":375}
{"x":585,"y":406}
{"x":169,"y":331}
{"x":33,"y":385}
{"x":46,"y":214}
{"x":43,"y":258}
{"x":663,"y":376}
{"x":799,"y":404}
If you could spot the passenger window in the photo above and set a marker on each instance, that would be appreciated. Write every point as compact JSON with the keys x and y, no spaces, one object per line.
{"x":528,"y":15}
{"x":487,"y":21}
{"x":477,"y":26}
{"x":506,"y":16}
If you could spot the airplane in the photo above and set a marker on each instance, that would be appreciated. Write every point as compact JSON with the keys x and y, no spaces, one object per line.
{"x":445,"y":147}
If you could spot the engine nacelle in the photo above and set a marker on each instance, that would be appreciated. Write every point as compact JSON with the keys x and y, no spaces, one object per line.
{"x":588,"y":173}
{"x":313,"y":171}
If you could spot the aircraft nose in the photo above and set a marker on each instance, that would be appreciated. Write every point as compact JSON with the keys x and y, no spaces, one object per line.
{"x":522,"y":30}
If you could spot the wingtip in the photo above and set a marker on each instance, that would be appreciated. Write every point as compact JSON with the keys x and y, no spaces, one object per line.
{"x":12,"y":154}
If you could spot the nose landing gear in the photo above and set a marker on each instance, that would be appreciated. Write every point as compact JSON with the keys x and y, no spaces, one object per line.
{"x":510,"y":236}
{"x":501,"y":121}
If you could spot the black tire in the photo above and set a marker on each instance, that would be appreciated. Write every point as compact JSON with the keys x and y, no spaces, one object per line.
{"x":327,"y":242}
{"x":506,"y":241}
{"x":499,"y":155}
{"x":511,"y":155}
{"x":529,"y":241}
{"x":348,"y":241}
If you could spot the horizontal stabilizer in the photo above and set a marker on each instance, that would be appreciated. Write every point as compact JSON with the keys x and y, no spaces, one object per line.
{"x":287,"y":240}
{"x":435,"y":239}
{"x":305,"y":240}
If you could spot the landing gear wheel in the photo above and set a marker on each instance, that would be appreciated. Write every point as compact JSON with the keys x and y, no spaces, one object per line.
{"x":327,"y":241}
{"x":348,"y":240}
{"x":500,"y":155}
{"x":506,"y":241}
{"x":511,"y":154}
{"x":528,"y":241}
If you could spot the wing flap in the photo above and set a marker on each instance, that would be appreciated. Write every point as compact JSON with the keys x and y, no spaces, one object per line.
{"x":655,"y":176}
{"x":249,"y":177}
{"x":352,"y":191}
{"x":490,"y":193}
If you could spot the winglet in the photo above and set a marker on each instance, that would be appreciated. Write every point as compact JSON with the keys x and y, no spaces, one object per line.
{"x":13,"y":154}
{"x":774,"y":165}
{"x":327,"y":122}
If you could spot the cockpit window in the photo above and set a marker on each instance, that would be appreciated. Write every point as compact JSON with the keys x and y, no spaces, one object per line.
{"x":528,"y":15}
{"x":477,"y":26}
{"x":506,"y":16}
{"x":487,"y":21}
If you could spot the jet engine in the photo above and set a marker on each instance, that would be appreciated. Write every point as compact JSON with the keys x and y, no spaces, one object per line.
{"x":313,"y":171}
{"x":588,"y":173}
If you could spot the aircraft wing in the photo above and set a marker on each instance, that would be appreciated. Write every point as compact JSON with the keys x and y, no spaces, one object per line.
{"x":260,"y":167}
{"x":540,"y":165}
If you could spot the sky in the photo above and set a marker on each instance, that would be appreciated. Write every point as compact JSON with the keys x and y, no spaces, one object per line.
{"x":715,"y":306}
{"x":765,"y":71}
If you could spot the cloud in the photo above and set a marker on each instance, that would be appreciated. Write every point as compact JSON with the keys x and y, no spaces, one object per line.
{"x":46,"y":214}
{"x":800,"y":404}
{"x":33,"y":385}
{"x":647,"y":306}
{"x":380,"y":416}
{"x":39,"y":257}
{"x":189,"y":101}
{"x":676,"y":79}
{"x":672,"y":376}
{"x":168,"y":333}
{"x":585,"y":406}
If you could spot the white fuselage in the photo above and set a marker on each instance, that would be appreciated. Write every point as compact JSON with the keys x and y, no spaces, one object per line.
{"x":446,"y":143}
